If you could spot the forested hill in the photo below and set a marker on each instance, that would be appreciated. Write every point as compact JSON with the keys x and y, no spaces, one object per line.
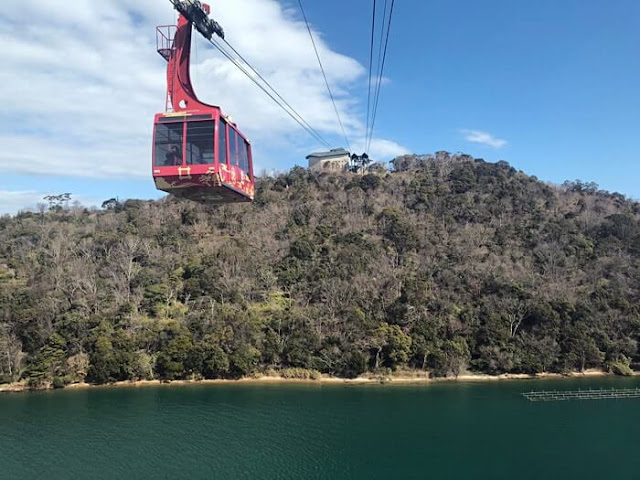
{"x":448,"y":264}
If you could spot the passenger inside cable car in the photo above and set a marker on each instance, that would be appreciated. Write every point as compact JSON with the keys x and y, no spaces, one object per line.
{"x":173,"y":156}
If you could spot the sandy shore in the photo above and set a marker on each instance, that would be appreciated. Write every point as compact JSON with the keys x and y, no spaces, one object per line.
{"x":399,"y":379}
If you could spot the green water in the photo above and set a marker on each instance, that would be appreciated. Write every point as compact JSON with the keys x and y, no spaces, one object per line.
{"x":465,"y":431}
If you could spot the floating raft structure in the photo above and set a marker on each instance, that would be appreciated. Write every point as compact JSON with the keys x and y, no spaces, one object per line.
{"x":563,"y":395}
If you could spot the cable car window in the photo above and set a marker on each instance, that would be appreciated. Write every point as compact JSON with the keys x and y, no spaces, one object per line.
{"x":200,"y":117}
{"x":249,"y":160}
{"x":244,"y":155}
{"x":233,"y":147}
{"x":246,"y":147}
{"x":200,"y":139}
{"x":222,"y":142}
{"x":168,"y":144}
{"x":171,"y":119}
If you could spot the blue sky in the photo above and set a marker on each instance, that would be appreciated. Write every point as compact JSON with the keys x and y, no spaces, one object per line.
{"x":558,"y":80}
{"x":550,"y":86}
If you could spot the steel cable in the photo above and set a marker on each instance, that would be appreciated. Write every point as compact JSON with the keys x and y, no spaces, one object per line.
{"x":324,"y":74}
{"x":384,"y":58}
{"x":373,"y":27}
{"x":290,"y":111}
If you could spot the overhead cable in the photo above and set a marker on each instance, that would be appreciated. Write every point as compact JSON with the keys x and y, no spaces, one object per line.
{"x":377,"y":78}
{"x":324,"y":74}
{"x":373,"y":28}
{"x":384,"y":58}
{"x":274,"y":95}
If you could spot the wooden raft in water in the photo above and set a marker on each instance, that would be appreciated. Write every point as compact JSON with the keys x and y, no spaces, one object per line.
{"x":602,"y":394}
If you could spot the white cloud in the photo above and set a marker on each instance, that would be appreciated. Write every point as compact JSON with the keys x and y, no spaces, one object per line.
{"x":13,"y":201}
{"x":484,"y":138}
{"x":80,"y":85}
{"x":380,"y":150}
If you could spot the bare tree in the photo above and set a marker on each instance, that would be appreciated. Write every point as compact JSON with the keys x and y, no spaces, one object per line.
{"x":125,"y":267}
{"x":515,"y":310}
{"x":11,"y":354}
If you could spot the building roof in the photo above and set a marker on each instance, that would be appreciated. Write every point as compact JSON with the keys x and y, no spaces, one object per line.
{"x":334,"y":152}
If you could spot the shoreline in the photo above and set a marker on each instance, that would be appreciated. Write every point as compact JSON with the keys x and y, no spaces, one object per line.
{"x":405,"y":378}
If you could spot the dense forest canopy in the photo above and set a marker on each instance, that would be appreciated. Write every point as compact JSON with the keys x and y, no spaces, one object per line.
{"x":447,"y":264}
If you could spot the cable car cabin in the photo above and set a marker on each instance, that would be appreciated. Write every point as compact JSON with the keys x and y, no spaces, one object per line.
{"x":202,"y":157}
{"x":197,"y":153}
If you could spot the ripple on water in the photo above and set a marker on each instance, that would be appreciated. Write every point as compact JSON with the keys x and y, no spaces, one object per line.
{"x":328,"y":432}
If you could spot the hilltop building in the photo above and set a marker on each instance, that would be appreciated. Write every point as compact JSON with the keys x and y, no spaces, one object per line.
{"x":335,"y":160}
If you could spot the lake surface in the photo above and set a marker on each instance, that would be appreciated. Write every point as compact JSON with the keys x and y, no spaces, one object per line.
{"x":456,"y":430}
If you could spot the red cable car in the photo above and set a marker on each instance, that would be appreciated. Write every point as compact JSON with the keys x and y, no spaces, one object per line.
{"x":198,"y":153}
